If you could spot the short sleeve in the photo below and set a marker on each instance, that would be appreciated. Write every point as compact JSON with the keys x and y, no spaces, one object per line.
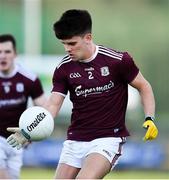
{"x":128,"y":68}
{"x":36,"y":89}
{"x":59,"y":81}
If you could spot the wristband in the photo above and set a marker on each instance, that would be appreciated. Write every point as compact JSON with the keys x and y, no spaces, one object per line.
{"x":25,"y":134}
{"x":149,"y":118}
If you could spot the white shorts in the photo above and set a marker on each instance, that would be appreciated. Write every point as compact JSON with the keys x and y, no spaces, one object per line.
{"x":74,"y":152}
{"x":10,"y":159}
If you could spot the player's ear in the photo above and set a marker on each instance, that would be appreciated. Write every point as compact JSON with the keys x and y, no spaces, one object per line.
{"x":88,"y":37}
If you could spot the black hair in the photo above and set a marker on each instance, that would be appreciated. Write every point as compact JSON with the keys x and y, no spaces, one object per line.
{"x":8,"y":37}
{"x":73,"y":22}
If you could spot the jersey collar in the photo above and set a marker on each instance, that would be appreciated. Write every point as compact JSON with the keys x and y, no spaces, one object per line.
{"x":92,"y":57}
{"x":11,"y":74}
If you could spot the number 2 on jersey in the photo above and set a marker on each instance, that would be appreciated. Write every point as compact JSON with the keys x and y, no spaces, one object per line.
{"x":90,"y":75}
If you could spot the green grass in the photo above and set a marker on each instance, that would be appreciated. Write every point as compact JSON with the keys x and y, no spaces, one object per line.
{"x":142,"y":174}
{"x":43,"y":173}
{"x":37,"y":173}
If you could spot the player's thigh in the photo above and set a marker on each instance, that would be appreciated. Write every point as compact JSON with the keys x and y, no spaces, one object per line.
{"x":65,"y":171}
{"x":3,"y":159}
{"x":10,"y":160}
{"x":15,"y":163}
{"x":4,"y":174}
{"x":95,"y":166}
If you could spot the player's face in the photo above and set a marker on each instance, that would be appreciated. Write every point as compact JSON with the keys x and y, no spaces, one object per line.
{"x":77,"y":47}
{"x":7,"y":56}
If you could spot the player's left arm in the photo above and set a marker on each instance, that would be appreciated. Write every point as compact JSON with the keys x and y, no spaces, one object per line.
{"x":148,"y":102}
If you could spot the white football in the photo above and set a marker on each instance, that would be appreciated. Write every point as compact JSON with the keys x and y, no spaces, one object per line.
{"x":36,"y":123}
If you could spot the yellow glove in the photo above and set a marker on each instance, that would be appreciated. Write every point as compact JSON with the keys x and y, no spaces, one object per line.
{"x":152,"y":130}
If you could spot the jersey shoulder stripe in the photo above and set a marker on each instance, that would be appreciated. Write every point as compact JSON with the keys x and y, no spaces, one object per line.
{"x":26,"y":73}
{"x":103,"y":48}
{"x":65,"y":59}
{"x":110,"y":53}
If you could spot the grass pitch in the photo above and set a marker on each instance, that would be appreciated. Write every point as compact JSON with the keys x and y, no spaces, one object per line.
{"x":44,"y":173}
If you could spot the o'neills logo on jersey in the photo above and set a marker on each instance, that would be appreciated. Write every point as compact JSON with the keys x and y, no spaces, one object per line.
{"x":94,"y":90}
{"x":37,"y":120}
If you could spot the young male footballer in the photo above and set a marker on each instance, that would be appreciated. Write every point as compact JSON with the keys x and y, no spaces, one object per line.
{"x":97,"y":78}
{"x":16,"y":85}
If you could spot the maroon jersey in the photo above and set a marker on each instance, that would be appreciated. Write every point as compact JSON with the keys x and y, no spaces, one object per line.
{"x":14,"y":92}
{"x":99,"y":92}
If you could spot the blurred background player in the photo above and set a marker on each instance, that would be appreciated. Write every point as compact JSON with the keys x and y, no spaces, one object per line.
{"x":97,"y":78}
{"x":16,"y":85}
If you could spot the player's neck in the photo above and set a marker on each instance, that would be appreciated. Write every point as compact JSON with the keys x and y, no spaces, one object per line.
{"x":9,"y":72}
{"x":92,"y":52}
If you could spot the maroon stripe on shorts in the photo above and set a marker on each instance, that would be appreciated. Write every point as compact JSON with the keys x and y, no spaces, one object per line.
{"x":115,"y":159}
{"x":119,"y":152}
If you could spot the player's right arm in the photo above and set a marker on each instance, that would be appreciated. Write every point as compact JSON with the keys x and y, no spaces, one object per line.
{"x":54,"y":103}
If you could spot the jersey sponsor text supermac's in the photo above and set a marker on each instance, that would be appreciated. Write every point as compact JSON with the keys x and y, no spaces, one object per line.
{"x":93,"y":90}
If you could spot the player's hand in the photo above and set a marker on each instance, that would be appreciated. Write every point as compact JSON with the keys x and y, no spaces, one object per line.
{"x":17,"y":139}
{"x":152,"y":130}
